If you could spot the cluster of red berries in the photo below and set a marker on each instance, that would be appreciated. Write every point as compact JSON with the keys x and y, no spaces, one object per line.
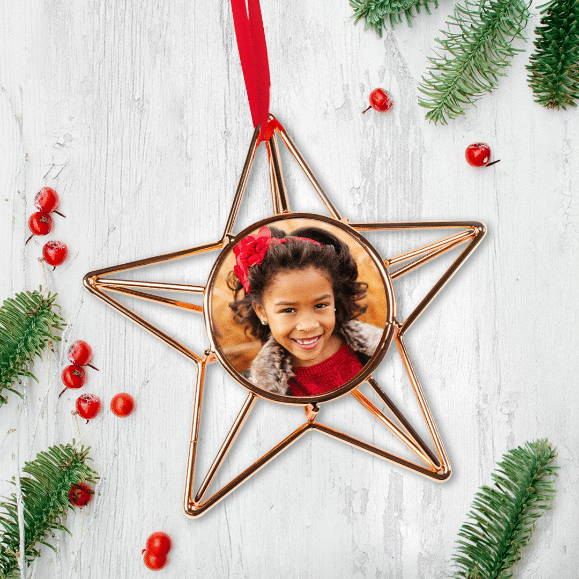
{"x":40,"y":223}
{"x":477,"y":154}
{"x":158,"y":546}
{"x":89,"y":405}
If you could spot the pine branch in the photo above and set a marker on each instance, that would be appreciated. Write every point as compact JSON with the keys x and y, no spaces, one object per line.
{"x":476,"y":48}
{"x":503,"y":517}
{"x":376,"y":13}
{"x":27,"y":324}
{"x":46,"y":502}
{"x":554,"y":65}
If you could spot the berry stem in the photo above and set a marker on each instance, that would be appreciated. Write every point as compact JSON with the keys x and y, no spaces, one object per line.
{"x":59,"y":213}
{"x":93,"y":367}
{"x":489,"y":164}
{"x":29,"y":239}
{"x":365,"y":111}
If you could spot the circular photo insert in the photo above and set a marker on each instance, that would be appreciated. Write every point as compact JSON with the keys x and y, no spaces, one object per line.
{"x":301,"y":308}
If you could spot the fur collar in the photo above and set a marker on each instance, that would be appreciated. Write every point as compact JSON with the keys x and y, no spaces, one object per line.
{"x":271,"y":369}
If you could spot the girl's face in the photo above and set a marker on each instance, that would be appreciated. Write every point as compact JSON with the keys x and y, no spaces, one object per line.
{"x":299,"y":306}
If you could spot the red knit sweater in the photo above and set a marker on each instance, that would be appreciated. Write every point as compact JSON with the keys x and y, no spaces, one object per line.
{"x":327,"y":375}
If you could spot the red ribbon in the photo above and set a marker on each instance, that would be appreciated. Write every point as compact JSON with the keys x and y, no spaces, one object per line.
{"x":253,"y":55}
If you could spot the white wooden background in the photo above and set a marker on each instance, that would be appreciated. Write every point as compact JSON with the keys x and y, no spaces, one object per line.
{"x":136,"y":113}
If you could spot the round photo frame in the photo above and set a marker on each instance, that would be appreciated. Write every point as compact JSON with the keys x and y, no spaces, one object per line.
{"x":227,"y":338}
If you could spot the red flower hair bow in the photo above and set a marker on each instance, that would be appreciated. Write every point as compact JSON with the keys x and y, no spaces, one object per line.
{"x":251,"y":250}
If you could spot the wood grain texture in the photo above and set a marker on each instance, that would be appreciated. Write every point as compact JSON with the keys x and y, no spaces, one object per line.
{"x":136,"y":113}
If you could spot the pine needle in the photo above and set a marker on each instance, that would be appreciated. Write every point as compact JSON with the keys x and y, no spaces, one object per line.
{"x":377,"y":13}
{"x":27,"y":324}
{"x":554,"y":66}
{"x":475,"y":50}
{"x":46,"y":503}
{"x":503,"y":517}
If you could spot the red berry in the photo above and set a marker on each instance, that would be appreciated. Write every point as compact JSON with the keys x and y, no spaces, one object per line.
{"x":40,"y":223}
{"x":122,"y":405}
{"x":80,"y":495}
{"x":80,"y":353}
{"x":54,"y":252}
{"x":159,"y":544}
{"x":478,"y":155}
{"x":154,"y":562}
{"x":88,"y":406}
{"x":73,"y":377}
{"x":380,"y":100}
{"x":46,"y":199}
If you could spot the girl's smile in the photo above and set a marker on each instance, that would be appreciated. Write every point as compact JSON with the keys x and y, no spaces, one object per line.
{"x":309,"y":343}
{"x":298,"y":306}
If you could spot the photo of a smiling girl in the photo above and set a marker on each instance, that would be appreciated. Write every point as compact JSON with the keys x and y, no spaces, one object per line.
{"x":298,"y":293}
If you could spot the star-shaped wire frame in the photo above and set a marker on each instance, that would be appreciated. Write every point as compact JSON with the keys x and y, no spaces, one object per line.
{"x":432,"y":464}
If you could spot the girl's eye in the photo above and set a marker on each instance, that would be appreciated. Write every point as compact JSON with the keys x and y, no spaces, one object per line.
{"x":319,"y":306}
{"x":287,"y":311}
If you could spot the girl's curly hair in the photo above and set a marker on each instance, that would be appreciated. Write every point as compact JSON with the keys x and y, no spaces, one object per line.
{"x":333,"y":257}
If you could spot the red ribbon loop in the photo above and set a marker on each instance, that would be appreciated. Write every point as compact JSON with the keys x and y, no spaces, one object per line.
{"x":253,"y":55}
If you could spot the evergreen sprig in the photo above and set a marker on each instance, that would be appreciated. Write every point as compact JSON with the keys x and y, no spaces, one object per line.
{"x":27,"y":324}
{"x":554,"y":66}
{"x":376,"y":13}
{"x":476,"y":47}
{"x":503,"y":517}
{"x":46,"y":503}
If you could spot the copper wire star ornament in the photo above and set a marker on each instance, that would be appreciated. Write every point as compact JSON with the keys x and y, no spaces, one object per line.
{"x":433,"y":464}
